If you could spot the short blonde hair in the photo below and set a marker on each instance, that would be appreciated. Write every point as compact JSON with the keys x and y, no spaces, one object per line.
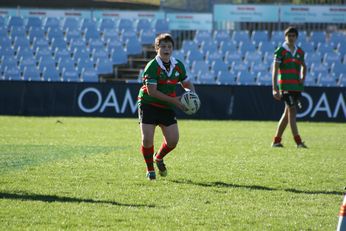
{"x":163,"y":37}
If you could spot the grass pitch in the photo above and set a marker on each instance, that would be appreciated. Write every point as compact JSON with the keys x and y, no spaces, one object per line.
{"x":88,"y":174}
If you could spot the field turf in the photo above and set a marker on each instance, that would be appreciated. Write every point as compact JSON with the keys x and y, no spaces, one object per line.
{"x":88,"y":174}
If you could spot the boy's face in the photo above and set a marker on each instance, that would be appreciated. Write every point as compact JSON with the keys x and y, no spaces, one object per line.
{"x":165,"y":50}
{"x":291,"y":38}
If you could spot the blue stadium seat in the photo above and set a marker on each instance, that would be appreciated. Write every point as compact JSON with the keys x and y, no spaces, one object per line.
{"x":51,"y":22}
{"x":161,"y":26}
{"x":72,"y":33}
{"x":213,"y":56}
{"x":70,"y":23}
{"x":203,"y":36}
{"x":302,"y":37}
{"x":5,"y":42}
{"x":96,"y":44}
{"x":258,"y":36}
{"x":62,"y":54}
{"x":233,"y":56}
{"x":70,"y":75}
{"x":277,"y":37}
{"x":147,"y":37}
{"x":241,"y":36}
{"x":313,"y":58}
{"x":247,"y":46}
{"x":324,"y":48}
{"x":43,"y":52}
{"x":341,"y":48}
{"x":31,"y":73}
{"x":142,"y":24}
{"x":311,"y":79}
{"x":33,"y":22}
{"x":21,"y":42}
{"x":194,"y":55}
{"x":25,"y":53}
{"x":36,"y":32}
{"x":78,"y":43}
{"x":264,"y":78}
{"x":66,"y":64}
{"x":318,"y":37}
{"x":6,"y":51}
{"x":338,"y":68}
{"x":104,"y":67}
{"x":342,"y":80}
{"x":337,"y":37}
{"x":89,"y":76}
{"x":88,"y":23}
{"x":114,"y":44}
{"x":59,"y":43}
{"x":54,"y":32}
{"x":82,"y":53}
{"x":332,"y":57}
{"x":128,"y":34}
{"x":51,"y":74}
{"x":107,"y":23}
{"x":17,"y":32}
{"x":228,"y":46}
{"x":15,"y":21}
{"x":246,"y":78}
{"x":253,"y":57}
{"x":133,"y":47}
{"x":101,"y":54}
{"x":46,"y":62}
{"x":266,"y":46}
{"x":12,"y":73}
{"x":209,"y":46}
{"x":219,"y":65}
{"x":206,"y":78}
{"x":319,"y":67}
{"x":3,"y":32}
{"x":226,"y":78}
{"x":40,"y":42}
{"x":221,"y":36}
{"x":91,"y":33}
{"x":259,"y":67}
{"x":189,"y":45}
{"x":199,"y":66}
{"x":2,"y":21}
{"x":118,"y":56}
{"x":239,"y":67}
{"x":9,"y":61}
{"x":125,"y":24}
{"x":110,"y":34}
{"x":326,"y":81}
{"x":85,"y":64}
{"x":178,"y":54}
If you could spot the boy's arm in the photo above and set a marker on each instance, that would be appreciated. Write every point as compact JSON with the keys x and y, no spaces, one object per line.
{"x":276,"y":93}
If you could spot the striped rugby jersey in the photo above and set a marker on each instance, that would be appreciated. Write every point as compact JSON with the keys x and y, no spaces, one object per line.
{"x":289,"y":68}
{"x":166,"y":81}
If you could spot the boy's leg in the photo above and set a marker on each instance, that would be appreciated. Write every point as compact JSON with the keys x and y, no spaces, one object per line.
{"x":147,"y":148}
{"x":171,"y":137}
{"x":281,"y":128}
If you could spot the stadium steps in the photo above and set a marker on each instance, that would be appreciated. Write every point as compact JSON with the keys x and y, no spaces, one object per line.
{"x":131,"y":70}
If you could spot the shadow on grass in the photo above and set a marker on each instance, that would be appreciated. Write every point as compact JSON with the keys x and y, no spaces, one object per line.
{"x":219,"y":184}
{"x":50,"y":198}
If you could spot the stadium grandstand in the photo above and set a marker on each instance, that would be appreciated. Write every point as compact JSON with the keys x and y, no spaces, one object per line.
{"x":79,"y":47}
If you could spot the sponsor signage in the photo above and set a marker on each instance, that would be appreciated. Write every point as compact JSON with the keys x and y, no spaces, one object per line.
{"x":246,"y":13}
{"x":309,"y":13}
{"x":189,"y":21}
{"x":120,"y":100}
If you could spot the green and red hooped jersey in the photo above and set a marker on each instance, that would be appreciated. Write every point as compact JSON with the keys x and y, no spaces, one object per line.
{"x":156,"y":73}
{"x":289,"y":68}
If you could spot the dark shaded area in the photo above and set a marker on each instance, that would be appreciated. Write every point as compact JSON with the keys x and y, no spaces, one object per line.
{"x":81,"y":4}
{"x":219,"y":184}
{"x":54,"y":198}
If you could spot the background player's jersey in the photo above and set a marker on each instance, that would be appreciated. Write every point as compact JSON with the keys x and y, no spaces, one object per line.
{"x":156,"y":73}
{"x":289,"y":68}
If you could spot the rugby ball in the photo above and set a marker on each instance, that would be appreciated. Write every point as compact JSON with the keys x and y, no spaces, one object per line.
{"x":191,"y":101}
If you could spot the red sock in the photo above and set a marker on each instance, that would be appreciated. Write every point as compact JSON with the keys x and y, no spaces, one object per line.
{"x":148,"y":157}
{"x":164,"y":150}
{"x":297,"y":139}
{"x":277,"y":139}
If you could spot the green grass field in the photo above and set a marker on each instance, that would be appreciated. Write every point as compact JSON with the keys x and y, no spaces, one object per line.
{"x":88,"y":174}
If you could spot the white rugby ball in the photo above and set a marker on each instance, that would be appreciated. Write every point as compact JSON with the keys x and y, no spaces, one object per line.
{"x":191,"y":101}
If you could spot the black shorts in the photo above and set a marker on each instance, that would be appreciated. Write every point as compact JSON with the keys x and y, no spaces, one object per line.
{"x":148,"y":114}
{"x":291,"y":98}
